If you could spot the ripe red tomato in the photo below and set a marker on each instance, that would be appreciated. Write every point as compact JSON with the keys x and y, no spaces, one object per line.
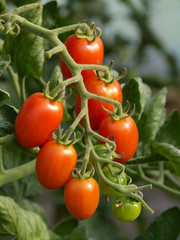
{"x":96,"y":112}
{"x":55,"y":163}
{"x":81,"y":197}
{"x":37,"y":119}
{"x":125,"y":133}
{"x":128,"y":209}
{"x":83,"y":51}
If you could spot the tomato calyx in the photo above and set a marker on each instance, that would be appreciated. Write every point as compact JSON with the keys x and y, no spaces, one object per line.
{"x":64,"y":138}
{"x":88,"y":174}
{"x":89,"y":33}
{"x":110,"y":75}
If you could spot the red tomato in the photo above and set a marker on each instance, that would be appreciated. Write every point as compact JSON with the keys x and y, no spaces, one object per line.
{"x":81,"y":197}
{"x":37,"y":119}
{"x":83,"y":51}
{"x":55,"y":163}
{"x":125,"y":133}
{"x":96,"y":112}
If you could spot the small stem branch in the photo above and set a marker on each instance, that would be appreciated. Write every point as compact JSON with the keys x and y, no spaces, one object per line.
{"x":23,"y":89}
{"x":16,"y":173}
{"x":86,"y":156}
{"x":71,"y":128}
{"x":1,"y":161}
{"x":15,"y":81}
{"x":66,"y":29}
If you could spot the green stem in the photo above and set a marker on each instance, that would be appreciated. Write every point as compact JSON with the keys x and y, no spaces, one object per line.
{"x":16,"y":173}
{"x":71,"y":128}
{"x":66,"y":29}
{"x":126,"y":190}
{"x":23,"y":89}
{"x":15,"y":81}
{"x":2,"y":170}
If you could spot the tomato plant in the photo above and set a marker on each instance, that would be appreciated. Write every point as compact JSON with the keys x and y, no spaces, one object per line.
{"x":81,"y":197}
{"x":125,"y":133}
{"x":35,"y":139}
{"x":126,"y":209}
{"x":79,"y":49}
{"x":96,"y":112}
{"x":37,"y":119}
{"x":55,"y":163}
{"x":120,"y":179}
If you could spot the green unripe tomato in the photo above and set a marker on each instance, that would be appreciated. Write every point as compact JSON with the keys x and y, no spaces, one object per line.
{"x":101,"y":151}
{"x":107,"y":190}
{"x":126,"y":209}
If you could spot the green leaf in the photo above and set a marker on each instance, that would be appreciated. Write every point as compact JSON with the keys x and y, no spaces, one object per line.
{"x":65,"y":226}
{"x":79,"y":233}
{"x":170,"y":130}
{"x":138,"y":93}
{"x":165,"y":227}
{"x":33,"y":207}
{"x":27,"y":49}
{"x":168,"y":151}
{"x":4,"y":95}
{"x":152,"y":117}
{"x":6,"y":236}
{"x":8,"y":115}
{"x":4,"y":62}
{"x":25,"y":224}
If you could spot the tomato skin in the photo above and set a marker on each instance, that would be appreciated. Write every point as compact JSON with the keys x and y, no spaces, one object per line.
{"x":37,"y":119}
{"x":81,"y":197}
{"x":107,"y":190}
{"x":83,"y":52}
{"x":125,"y":133}
{"x":55,"y":163}
{"x":128,"y":211}
{"x":98,"y":87}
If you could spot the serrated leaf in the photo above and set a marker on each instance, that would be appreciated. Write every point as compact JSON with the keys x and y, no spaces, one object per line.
{"x":4,"y":62}
{"x":25,"y":224}
{"x":165,"y":227}
{"x":152,"y":117}
{"x":138,"y":93}
{"x":6,"y":236}
{"x":27,"y":49}
{"x":65,"y":226}
{"x":170,"y":130}
{"x":168,"y":151}
{"x":8,"y":115}
{"x":4,"y":95}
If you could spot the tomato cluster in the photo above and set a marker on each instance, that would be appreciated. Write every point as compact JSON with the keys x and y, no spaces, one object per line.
{"x":40,"y":116}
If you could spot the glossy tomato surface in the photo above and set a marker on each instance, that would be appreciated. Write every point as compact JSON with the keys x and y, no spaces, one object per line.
{"x":98,"y":87}
{"x":37,"y":119}
{"x":83,"y":51}
{"x":125,"y":133}
{"x":81,"y":197}
{"x":126,"y":209}
{"x":55,"y":163}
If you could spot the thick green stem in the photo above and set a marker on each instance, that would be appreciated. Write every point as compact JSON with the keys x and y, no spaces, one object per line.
{"x":16,"y":173}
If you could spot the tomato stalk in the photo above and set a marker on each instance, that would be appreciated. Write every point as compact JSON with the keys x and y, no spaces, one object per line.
{"x":76,"y":69}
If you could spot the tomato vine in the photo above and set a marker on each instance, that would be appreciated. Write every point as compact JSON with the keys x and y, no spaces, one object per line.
{"x":12,"y":23}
